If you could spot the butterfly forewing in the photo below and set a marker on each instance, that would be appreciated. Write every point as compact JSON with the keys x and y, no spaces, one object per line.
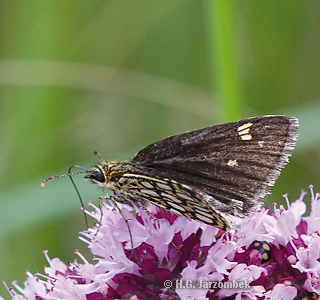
{"x":232,"y":161}
{"x":203,"y":174}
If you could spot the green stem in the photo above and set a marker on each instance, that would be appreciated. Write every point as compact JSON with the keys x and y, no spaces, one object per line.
{"x":223,"y":59}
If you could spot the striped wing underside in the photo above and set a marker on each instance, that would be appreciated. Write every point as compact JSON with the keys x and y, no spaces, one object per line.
{"x":136,"y":188}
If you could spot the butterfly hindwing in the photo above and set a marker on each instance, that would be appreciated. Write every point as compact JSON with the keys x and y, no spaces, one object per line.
{"x":169,"y":194}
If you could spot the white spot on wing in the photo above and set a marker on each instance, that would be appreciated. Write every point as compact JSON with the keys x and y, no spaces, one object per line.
{"x":149,"y":192}
{"x":260,"y":143}
{"x":184,"y":196}
{"x":203,"y":218}
{"x":147,"y":184}
{"x":175,"y":211}
{"x":232,"y":163}
{"x":206,"y":214}
{"x":186,"y":187}
{"x":204,"y":209}
{"x":176,"y":206}
{"x":162,"y":186}
{"x":246,"y":137}
{"x":244,"y":126}
{"x":171,"y":197}
{"x":244,"y":130}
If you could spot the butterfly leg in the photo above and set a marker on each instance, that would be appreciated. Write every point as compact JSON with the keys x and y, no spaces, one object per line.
{"x":114,"y":201}
{"x":101,"y":213}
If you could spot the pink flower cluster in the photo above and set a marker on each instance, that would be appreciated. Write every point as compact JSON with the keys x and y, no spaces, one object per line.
{"x":145,"y":257}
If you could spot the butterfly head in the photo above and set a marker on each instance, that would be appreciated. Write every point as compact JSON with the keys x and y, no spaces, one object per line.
{"x":97,"y":175}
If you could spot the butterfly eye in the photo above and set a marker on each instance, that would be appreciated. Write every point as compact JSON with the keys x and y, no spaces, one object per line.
{"x":99,"y":176}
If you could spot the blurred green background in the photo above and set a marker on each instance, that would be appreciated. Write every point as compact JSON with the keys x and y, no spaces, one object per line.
{"x":114,"y":76}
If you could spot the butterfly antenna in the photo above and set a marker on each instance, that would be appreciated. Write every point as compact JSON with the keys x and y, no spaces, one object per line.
{"x":97,"y":154}
{"x":77,"y":191}
{"x":69,"y":174}
{"x":44,"y":182}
